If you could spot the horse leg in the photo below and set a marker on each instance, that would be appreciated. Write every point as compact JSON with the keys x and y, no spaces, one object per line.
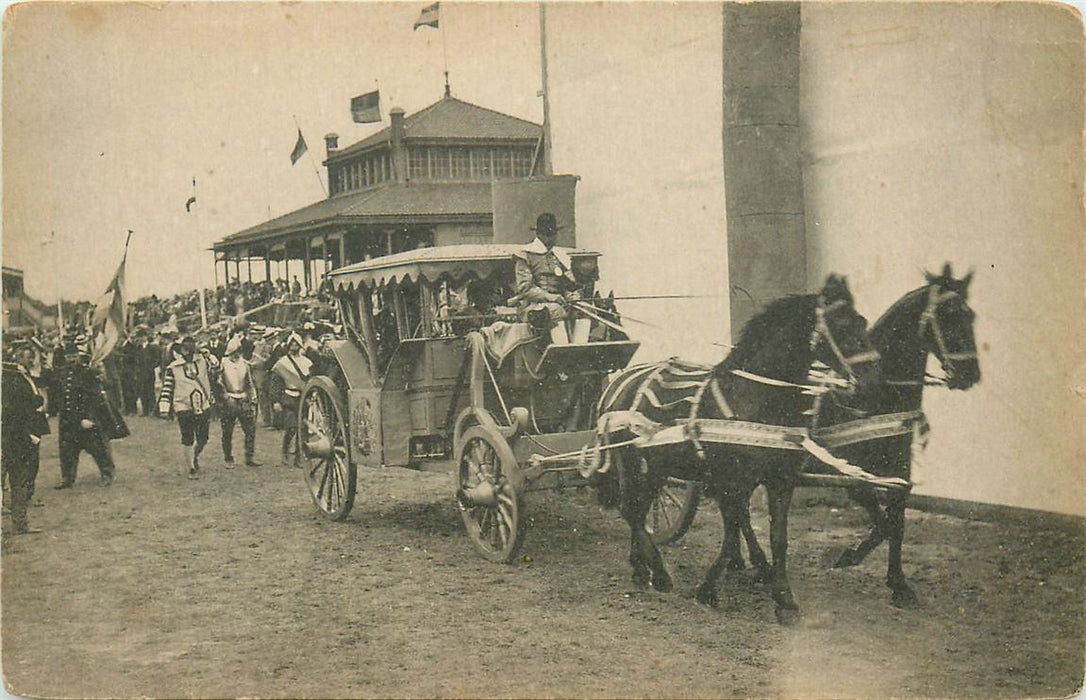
{"x":903,"y":596}
{"x":708,"y":592}
{"x":780,"y":498}
{"x":639,"y":492}
{"x":629,"y":486}
{"x":866,"y":497}
{"x":754,"y":549}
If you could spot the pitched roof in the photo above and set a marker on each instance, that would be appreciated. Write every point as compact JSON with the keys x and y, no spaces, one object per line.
{"x":452,"y":119}
{"x":390,"y":202}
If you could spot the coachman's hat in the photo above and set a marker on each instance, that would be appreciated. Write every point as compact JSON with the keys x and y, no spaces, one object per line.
{"x":546,"y":223}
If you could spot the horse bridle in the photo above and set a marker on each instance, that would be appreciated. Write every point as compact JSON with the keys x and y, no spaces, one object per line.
{"x":929,"y":318}
{"x":822,"y":331}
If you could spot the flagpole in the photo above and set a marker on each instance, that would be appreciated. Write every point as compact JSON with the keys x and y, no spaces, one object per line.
{"x":316,"y":171}
{"x":547,"y":168}
{"x":56,"y":288}
{"x":199,"y":229}
{"x":445,"y":56}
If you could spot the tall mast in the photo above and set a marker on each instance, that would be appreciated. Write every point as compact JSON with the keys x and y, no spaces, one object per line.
{"x":547,"y":168}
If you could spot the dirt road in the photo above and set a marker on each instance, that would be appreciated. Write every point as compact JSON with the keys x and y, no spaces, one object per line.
{"x":232,"y":586}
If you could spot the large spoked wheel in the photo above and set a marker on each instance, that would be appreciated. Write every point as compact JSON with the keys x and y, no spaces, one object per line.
{"x":324,"y":448}
{"x":488,"y":499}
{"x":673,"y":510}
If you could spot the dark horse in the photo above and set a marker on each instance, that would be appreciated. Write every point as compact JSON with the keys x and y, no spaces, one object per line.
{"x":934,"y":319}
{"x":773,"y":357}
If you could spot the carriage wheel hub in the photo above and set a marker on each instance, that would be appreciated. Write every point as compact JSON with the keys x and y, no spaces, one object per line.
{"x":320,"y":447}
{"x":482,"y":494}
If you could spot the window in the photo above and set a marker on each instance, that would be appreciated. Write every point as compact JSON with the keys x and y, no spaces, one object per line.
{"x":459,"y":164}
{"x":522,"y":162}
{"x":439,"y":163}
{"x":382,"y":173}
{"x":480,"y":164}
{"x":416,"y":164}
{"x":502,"y":161}
{"x":355,"y":167}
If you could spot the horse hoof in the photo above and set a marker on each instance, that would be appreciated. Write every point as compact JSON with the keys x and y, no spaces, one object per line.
{"x":735,"y":564}
{"x":845,"y":559}
{"x":662,"y":583}
{"x":641,"y":580}
{"x":787,"y":616}
{"x":905,"y":598}
{"x":707,"y":595}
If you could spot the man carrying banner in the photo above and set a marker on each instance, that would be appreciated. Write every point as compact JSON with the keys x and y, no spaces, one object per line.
{"x":87,"y":422}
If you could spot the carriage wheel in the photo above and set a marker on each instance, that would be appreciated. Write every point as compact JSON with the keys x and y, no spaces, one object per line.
{"x":489,"y":503}
{"x":673,"y":510}
{"x":324,"y":448}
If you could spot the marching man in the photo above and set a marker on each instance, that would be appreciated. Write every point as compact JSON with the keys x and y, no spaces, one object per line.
{"x":289,"y":376}
{"x":239,"y":402}
{"x":186,"y":387}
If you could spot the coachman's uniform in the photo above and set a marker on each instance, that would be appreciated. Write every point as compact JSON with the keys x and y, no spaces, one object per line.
{"x":23,"y":424}
{"x":541,"y":273}
{"x":83,"y":398}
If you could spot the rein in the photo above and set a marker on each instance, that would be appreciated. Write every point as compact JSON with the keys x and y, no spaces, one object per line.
{"x":929,"y":318}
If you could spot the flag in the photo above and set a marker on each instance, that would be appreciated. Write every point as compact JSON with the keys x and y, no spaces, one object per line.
{"x":299,"y":148}
{"x":110,"y":314}
{"x":189,"y":203}
{"x":366,"y":109}
{"x":428,"y":17}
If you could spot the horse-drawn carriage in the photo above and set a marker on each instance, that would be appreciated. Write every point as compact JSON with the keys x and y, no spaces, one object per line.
{"x":439,"y":372}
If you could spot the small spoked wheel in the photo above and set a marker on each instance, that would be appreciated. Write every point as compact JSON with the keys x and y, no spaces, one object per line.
{"x":324,"y":448}
{"x":673,"y":511}
{"x":488,"y":500}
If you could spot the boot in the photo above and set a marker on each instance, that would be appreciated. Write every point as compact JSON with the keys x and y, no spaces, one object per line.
{"x":190,"y":462}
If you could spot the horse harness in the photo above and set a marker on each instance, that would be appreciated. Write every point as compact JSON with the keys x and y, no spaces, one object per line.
{"x":667,"y":385}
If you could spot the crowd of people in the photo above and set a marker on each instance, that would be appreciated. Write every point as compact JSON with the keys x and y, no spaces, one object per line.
{"x":232,"y":299}
{"x":237,"y":374}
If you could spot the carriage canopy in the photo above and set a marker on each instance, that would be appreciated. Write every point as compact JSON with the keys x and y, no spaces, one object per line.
{"x":456,"y":262}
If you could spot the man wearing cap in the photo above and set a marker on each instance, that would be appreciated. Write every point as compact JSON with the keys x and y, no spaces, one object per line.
{"x":23,"y":424}
{"x":287,"y":381}
{"x":186,"y":388}
{"x":261,"y":338}
{"x":239,"y":402}
{"x":544,"y":276}
{"x":84,"y":423}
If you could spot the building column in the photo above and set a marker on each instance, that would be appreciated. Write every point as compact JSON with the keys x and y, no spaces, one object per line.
{"x":307,"y":275}
{"x":763,"y":180}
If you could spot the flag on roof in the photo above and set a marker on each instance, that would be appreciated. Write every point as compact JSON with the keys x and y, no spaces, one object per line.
{"x":189,"y":203}
{"x":299,"y":148}
{"x":428,"y":17}
{"x":366,"y":109}
{"x":110,"y":313}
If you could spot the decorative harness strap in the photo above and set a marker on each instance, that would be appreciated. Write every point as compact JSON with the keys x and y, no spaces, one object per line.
{"x":929,"y":318}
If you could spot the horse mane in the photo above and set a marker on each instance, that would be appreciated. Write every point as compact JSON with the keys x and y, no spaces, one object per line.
{"x":787,"y":312}
{"x":882,"y":324}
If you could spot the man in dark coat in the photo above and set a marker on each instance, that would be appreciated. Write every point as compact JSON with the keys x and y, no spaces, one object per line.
{"x":128,"y":352}
{"x":148,"y":356}
{"x":87,"y":422}
{"x":23,"y":424}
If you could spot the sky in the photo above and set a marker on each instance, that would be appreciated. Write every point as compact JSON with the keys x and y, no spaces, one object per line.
{"x":110,"y":112}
